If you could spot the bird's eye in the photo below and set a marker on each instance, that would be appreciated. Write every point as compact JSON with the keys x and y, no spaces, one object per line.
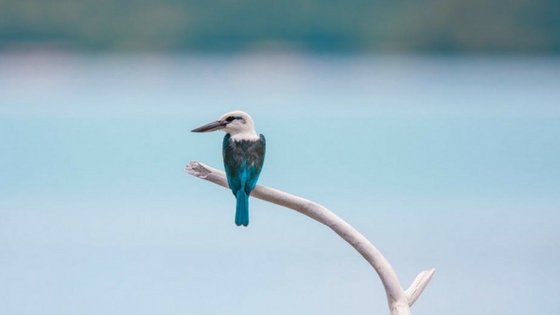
{"x":230,"y":119}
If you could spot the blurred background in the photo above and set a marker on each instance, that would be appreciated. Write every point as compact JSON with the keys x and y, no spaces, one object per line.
{"x":319,"y":26}
{"x":432,"y":127}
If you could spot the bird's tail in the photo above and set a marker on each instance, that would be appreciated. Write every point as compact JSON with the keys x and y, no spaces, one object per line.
{"x":242,"y":210}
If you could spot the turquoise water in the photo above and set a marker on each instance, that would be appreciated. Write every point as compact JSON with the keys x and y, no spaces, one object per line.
{"x":446,"y":163}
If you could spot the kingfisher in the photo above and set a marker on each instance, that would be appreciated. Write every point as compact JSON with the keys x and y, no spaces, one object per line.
{"x":243,"y":152}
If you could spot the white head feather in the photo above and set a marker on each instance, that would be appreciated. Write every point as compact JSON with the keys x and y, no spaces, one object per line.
{"x":240,"y":126}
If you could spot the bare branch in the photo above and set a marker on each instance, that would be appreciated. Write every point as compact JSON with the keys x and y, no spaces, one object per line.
{"x":399,"y":300}
{"x":418,"y":285}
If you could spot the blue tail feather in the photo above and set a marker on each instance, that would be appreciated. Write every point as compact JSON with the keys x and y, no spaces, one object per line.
{"x":242,"y":210}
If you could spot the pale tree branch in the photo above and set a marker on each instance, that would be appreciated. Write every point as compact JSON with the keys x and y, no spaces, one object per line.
{"x":398,"y":299}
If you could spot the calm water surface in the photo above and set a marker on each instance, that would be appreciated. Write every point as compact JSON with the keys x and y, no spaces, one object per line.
{"x":446,"y":163}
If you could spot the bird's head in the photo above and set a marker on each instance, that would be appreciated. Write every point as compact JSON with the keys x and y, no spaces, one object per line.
{"x":236,"y":122}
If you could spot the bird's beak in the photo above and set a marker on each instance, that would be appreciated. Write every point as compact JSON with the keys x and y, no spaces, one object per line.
{"x":213,"y":126}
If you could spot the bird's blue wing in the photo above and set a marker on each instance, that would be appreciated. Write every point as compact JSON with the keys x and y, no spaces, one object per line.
{"x":255,"y":160}
{"x":232,"y":164}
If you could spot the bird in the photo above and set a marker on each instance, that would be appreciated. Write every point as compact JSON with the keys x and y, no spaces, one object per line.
{"x":243,"y":153}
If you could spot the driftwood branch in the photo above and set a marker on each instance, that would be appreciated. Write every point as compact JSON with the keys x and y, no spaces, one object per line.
{"x":399,"y":300}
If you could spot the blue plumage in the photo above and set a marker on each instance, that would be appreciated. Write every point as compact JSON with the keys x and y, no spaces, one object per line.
{"x":242,"y":208}
{"x":243,"y":161}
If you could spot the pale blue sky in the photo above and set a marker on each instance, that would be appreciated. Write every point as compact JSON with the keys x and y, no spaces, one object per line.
{"x":446,"y":163}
